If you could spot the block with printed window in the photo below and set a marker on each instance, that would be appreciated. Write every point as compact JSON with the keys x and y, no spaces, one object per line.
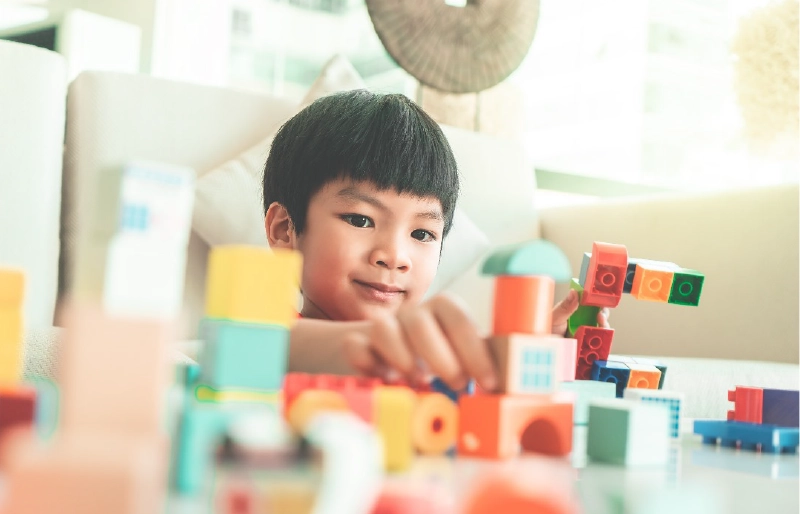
{"x":528,"y":364}
{"x":674,"y":401}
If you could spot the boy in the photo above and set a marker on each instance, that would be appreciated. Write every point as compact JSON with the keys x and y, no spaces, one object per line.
{"x":365,"y":186}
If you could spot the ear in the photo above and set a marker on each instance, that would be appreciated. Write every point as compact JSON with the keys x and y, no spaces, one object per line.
{"x":279,"y":227}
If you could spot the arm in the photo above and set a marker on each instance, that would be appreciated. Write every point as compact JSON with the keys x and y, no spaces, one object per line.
{"x":319,"y":346}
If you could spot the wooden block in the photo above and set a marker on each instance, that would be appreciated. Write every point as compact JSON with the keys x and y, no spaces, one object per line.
{"x":394,"y":408}
{"x":527,"y":364}
{"x":643,"y":376}
{"x":531,"y":258}
{"x":11,"y":328}
{"x":628,"y":433}
{"x":674,"y":401}
{"x":652,"y":282}
{"x":605,"y":275}
{"x":586,"y":391}
{"x":513,"y":491}
{"x":569,"y":358}
{"x":253,"y":284}
{"x":434,"y":424}
{"x":114,"y":372}
{"x":523,"y":305}
{"x":12,"y":288}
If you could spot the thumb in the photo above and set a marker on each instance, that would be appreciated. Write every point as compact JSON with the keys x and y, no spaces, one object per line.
{"x":565,"y":308}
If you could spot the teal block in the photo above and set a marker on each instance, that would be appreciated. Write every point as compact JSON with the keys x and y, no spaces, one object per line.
{"x":537,"y":257}
{"x":243,"y":355}
{"x":586,"y":391}
{"x":628,"y":433}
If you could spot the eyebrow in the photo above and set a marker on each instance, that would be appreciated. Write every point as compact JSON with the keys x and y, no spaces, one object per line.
{"x":352,"y":193}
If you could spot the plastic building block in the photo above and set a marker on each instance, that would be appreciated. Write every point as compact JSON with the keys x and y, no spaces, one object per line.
{"x":17,"y":407}
{"x":748,"y":404}
{"x":584,"y":315}
{"x":613,"y":372}
{"x":652,"y":362}
{"x":243,"y":355}
{"x":496,"y":426}
{"x":507,"y":492}
{"x":781,"y":408}
{"x":357,"y":391}
{"x":748,"y":436}
{"x":253,"y":284}
{"x":569,"y":358}
{"x":643,"y":376}
{"x":587,"y":257}
{"x":310,"y":403}
{"x":674,"y":401}
{"x":628,"y":433}
{"x":10,"y":345}
{"x":653,"y":281}
{"x":527,"y":364}
{"x":586,"y":391}
{"x":605,"y":276}
{"x":434,"y":424}
{"x":12,"y":287}
{"x":437,"y":385}
{"x":523,"y":305}
{"x":538,"y":257}
{"x":393,"y":411}
{"x":594,"y":344}
{"x":631,"y":273}
{"x":686,"y":287}
{"x":114,"y":372}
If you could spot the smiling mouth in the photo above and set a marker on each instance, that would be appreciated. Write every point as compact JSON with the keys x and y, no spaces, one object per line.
{"x":379,"y":292}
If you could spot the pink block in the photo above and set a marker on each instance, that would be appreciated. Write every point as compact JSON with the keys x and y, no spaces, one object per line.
{"x":569,"y":359}
{"x":115,"y":372}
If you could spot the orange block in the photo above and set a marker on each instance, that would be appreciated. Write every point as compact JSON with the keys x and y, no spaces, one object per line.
{"x":643,"y":376}
{"x":312,"y":402}
{"x":495,"y":426}
{"x":10,"y":345}
{"x":512,"y":491}
{"x":652,"y":282}
{"x":12,"y":287}
{"x":434,"y":424}
{"x":523,"y":305}
{"x":114,"y":372}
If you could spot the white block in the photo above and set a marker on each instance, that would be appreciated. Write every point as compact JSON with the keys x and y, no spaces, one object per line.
{"x":673,"y":401}
{"x":628,"y":432}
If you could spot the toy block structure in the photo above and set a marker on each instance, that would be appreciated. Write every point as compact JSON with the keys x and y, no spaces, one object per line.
{"x":626,"y":372}
{"x":628,"y":433}
{"x":674,"y":401}
{"x":748,"y":436}
{"x":131,"y":253}
{"x":769,"y":406}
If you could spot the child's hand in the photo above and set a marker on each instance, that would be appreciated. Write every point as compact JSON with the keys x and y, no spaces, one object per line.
{"x":437,"y":337}
{"x":569,"y":305}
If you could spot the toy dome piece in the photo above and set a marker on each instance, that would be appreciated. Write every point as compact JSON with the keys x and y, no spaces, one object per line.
{"x":537,"y":257}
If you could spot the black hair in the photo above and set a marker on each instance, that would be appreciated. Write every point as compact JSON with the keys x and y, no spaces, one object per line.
{"x":385,"y":139}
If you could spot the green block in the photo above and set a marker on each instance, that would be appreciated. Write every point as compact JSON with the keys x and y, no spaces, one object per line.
{"x":686,"y":287}
{"x":538,"y":257}
{"x":585,"y":315}
{"x":586,"y":391}
{"x":626,"y":432}
{"x":243,"y":355}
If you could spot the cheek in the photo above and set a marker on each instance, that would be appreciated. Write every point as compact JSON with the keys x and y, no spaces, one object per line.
{"x":325,"y":261}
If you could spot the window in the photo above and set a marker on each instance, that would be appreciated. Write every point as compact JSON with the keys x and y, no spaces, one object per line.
{"x":536,"y":369}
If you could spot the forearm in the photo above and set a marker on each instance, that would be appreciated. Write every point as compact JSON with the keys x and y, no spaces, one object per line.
{"x":316,"y":346}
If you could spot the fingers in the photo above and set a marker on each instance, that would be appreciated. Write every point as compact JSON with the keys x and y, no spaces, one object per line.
{"x":359,"y":354}
{"x":387,"y":341}
{"x":602,"y":317}
{"x":565,"y":308}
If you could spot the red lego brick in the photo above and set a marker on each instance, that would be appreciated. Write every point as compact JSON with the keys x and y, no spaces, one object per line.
{"x":748,"y":404}
{"x":605,"y":277}
{"x":357,"y":391}
{"x":594,"y":344}
{"x":17,"y":407}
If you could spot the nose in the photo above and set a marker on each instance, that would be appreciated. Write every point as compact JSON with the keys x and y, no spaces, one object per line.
{"x":391,"y":253}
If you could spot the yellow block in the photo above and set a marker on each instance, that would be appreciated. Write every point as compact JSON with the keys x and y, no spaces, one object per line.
{"x":392,"y":413}
{"x":12,"y":287}
{"x":253,"y":284}
{"x":10,"y":345}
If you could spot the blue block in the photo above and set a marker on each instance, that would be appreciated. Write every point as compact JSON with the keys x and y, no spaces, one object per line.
{"x":243,"y":355}
{"x":614,"y":372}
{"x":773,"y":439}
{"x":439,"y":386}
{"x":780,"y":407}
{"x":584,"y":268}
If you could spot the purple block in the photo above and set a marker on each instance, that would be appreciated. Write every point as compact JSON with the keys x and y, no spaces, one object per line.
{"x":781,"y":407}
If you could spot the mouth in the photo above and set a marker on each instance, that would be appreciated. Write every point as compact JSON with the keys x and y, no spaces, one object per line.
{"x":379,"y":292}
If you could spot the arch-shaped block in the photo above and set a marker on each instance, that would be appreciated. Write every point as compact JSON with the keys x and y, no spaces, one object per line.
{"x":537,"y":257}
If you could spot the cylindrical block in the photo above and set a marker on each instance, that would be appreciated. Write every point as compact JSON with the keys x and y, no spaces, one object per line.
{"x":523,"y":305}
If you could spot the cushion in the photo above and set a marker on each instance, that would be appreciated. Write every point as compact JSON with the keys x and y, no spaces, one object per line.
{"x":463,"y":247}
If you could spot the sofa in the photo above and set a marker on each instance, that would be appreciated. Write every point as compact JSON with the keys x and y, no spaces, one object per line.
{"x":744,"y":332}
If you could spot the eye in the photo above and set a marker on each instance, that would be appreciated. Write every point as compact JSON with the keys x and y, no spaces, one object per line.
{"x":358,"y":220}
{"x":423,"y":235}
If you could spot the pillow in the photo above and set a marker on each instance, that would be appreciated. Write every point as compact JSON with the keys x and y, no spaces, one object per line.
{"x":463,"y":247}
{"x":228,"y":202}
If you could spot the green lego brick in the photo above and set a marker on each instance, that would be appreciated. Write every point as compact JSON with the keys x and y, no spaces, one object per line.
{"x":538,"y":257}
{"x":586,"y":391}
{"x":686,"y":288}
{"x":243,"y":355}
{"x":585,"y":315}
{"x":625,"y":432}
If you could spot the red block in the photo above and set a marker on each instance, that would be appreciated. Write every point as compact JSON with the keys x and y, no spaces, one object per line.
{"x":748,"y":404}
{"x":17,"y":407}
{"x":357,"y":391}
{"x":605,"y":277}
{"x":594,"y":344}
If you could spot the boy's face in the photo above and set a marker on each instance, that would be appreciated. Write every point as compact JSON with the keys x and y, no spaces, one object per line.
{"x":366,"y":251}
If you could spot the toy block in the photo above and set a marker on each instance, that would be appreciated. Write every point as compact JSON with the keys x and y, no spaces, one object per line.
{"x":357,"y":391}
{"x":748,"y":404}
{"x":569,"y":358}
{"x":527,"y":364}
{"x":631,"y":271}
{"x":312,"y":402}
{"x":643,"y":376}
{"x":686,"y":288}
{"x":12,"y":288}
{"x":394,"y":499}
{"x":538,"y":257}
{"x":495,"y":426}
{"x":92,"y":474}
{"x":748,"y":436}
{"x":437,"y":385}
{"x":11,"y":329}
{"x":114,"y":372}
{"x":523,"y":305}
{"x":616,"y":373}
{"x":780,"y":408}
{"x":393,"y":411}
{"x":585,"y":314}
{"x":653,"y":282}
{"x":288,"y":496}
{"x":674,"y":401}
{"x":17,"y":407}
{"x":628,"y":433}
{"x":434,"y":424}
{"x":605,"y":276}
{"x":253,"y":284}
{"x":587,"y":257}
{"x":510,"y":491}
{"x":652,"y":362}
{"x":243,"y":355}
{"x":586,"y":391}
{"x":594,"y":344}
